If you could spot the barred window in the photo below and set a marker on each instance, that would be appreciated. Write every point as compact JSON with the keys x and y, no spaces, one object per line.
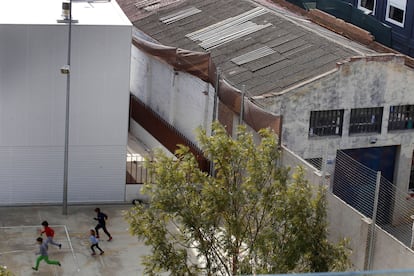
{"x":396,"y":10}
{"x":326,"y":123}
{"x":401,"y":117}
{"x":365,"y":120}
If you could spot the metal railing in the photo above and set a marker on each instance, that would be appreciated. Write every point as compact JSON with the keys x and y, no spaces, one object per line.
{"x":376,"y":198}
{"x":136,"y":171}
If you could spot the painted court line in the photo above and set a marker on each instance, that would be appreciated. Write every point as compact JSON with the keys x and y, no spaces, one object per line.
{"x":11,"y":252}
{"x":71,"y":248}
{"x":37,"y":226}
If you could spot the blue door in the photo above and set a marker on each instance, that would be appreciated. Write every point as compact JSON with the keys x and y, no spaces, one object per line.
{"x":355,"y":184}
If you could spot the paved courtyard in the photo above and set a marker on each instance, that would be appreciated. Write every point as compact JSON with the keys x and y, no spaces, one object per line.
{"x":19,"y":228}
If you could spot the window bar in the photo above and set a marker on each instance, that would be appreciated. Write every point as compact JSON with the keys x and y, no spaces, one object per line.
{"x":358,"y":119}
{"x":400,"y":117}
{"x":319,"y":122}
{"x":328,"y":117}
{"x":379,"y":119}
{"x":367,"y":119}
{"x":328,"y":122}
{"x":374,"y":120}
{"x":396,"y":117}
{"x":311,"y":123}
{"x":336,"y":118}
{"x":352,"y":122}
{"x":339,"y":122}
{"x":391,"y":118}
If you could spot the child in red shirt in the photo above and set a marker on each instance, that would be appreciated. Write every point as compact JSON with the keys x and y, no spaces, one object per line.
{"x":50,"y":233}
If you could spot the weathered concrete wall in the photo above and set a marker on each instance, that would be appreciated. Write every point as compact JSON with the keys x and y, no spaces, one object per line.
{"x":185,"y":101}
{"x":357,"y":84}
{"x":346,"y":222}
{"x":390,"y":253}
{"x":292,"y":160}
{"x":380,"y":81}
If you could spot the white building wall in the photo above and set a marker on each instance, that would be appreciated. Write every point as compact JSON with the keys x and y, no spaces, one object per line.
{"x":99,"y":112}
{"x":32,"y":112}
{"x":181,"y":99}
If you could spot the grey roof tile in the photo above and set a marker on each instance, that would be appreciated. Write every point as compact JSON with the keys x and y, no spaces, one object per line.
{"x":300,"y":52}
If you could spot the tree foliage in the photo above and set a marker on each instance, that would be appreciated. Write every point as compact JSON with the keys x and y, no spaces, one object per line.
{"x":249,"y":217}
{"x":4,"y":271}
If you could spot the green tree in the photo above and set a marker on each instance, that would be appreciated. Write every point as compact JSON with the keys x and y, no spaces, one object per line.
{"x":250,"y":217}
{"x":4,"y":271}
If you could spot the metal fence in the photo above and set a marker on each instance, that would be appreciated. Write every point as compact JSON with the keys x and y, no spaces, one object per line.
{"x":136,"y":171}
{"x":374,"y":196}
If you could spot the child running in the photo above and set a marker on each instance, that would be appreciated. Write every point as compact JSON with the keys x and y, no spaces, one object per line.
{"x":43,"y":254}
{"x":94,"y":242}
{"x":50,"y":233}
{"x":101,"y":217}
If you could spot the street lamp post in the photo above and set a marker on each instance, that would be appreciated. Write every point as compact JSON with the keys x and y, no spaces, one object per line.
{"x":66,"y":70}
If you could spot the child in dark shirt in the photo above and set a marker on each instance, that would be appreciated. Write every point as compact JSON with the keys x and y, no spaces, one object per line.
{"x":101,"y":218}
